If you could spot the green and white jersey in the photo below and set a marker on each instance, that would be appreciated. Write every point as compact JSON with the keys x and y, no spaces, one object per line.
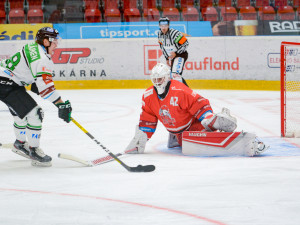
{"x":30,"y":65}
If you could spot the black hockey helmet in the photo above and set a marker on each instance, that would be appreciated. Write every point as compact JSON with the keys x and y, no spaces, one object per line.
{"x":46,"y":33}
{"x":164,"y":21}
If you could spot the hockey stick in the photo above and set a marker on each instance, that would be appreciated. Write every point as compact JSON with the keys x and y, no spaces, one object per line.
{"x":94,"y":162}
{"x":139,"y":168}
{"x":6,"y":145}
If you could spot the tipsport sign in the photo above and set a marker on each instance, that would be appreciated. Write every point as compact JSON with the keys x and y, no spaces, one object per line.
{"x":129,"y":30}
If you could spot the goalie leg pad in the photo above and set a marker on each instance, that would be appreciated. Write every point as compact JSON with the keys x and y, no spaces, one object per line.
{"x":139,"y":141}
{"x":221,"y":144}
{"x":221,"y":121}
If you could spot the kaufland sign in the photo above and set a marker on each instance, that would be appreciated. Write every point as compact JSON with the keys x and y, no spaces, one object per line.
{"x":153,"y":55}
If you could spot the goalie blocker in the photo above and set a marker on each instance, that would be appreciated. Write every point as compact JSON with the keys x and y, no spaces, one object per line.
{"x":199,"y":143}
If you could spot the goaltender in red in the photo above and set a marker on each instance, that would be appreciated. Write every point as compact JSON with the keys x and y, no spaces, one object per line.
{"x":181,"y":109}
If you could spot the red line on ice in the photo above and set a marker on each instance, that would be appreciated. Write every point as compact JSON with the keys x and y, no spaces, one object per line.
{"x":119,"y":201}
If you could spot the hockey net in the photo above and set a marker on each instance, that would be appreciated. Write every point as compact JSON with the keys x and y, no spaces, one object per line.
{"x":290,"y":89}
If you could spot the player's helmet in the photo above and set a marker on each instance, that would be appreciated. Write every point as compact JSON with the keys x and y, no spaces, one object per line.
{"x":160,"y":76}
{"x":46,"y":33}
{"x":164,"y":21}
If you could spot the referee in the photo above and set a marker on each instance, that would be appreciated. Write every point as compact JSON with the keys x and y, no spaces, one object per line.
{"x":173,"y":45}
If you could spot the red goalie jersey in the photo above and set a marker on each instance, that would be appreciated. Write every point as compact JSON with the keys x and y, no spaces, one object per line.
{"x":181,"y":109}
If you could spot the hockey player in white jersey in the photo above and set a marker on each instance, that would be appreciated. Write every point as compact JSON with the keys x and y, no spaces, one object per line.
{"x":31,"y":65}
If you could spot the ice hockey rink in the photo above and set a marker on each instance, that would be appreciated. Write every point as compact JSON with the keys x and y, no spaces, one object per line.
{"x":260,"y":190}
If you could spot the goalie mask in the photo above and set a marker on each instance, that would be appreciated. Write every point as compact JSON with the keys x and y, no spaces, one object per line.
{"x":160,"y":76}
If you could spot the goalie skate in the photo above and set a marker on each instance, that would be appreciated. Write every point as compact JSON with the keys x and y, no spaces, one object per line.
{"x":172,"y":141}
{"x":21,"y":148}
{"x":39,"y":158}
{"x":259,"y":147}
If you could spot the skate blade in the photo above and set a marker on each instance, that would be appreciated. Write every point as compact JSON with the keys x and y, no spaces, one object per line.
{"x":41,"y":164}
{"x":20,"y":153}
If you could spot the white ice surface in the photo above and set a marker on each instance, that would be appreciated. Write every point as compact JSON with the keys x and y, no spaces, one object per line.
{"x":181,"y":191}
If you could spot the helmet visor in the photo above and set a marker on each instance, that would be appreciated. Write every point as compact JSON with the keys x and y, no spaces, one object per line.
{"x":56,"y":40}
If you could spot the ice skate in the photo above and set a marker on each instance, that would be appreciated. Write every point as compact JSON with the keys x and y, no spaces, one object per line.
{"x":21,"y":148}
{"x":260,"y":147}
{"x":39,"y":158}
{"x":256,"y":147}
{"x":172,"y":141}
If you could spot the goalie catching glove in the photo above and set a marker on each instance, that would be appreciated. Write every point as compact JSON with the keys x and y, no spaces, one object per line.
{"x":64,"y":111}
{"x":139,"y":141}
{"x":221,"y":121}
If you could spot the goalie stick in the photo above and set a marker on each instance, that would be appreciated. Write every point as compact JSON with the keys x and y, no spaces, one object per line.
{"x":94,"y":162}
{"x":6,"y":145}
{"x":139,"y":168}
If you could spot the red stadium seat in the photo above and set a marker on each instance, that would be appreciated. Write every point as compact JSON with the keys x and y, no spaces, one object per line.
{"x":172,"y":14}
{"x":278,"y":3}
{"x":2,"y":17}
{"x":55,"y":17}
{"x":35,"y":16}
{"x":186,"y":4}
{"x":248,"y":13}
{"x":295,"y":3}
{"x":149,"y":4}
{"x":286,"y":13}
{"x":112,"y":12}
{"x":223,"y":3}
{"x":91,"y":4}
{"x":242,"y":3}
{"x":2,"y":5}
{"x":16,"y":4}
{"x":92,"y":15}
{"x":168,"y":4}
{"x":150,"y":10}
{"x":206,"y":3}
{"x":210,"y":14}
{"x":132,"y":15}
{"x":189,"y":11}
{"x":266,"y":13}
{"x":190,"y":14}
{"x":151,"y":14}
{"x":228,"y":13}
{"x":35,"y":4}
{"x":170,"y":10}
{"x":131,"y":11}
{"x":260,"y":3}
{"x":16,"y":16}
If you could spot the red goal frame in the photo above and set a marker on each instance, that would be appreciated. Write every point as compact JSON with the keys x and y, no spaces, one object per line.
{"x":283,"y":85}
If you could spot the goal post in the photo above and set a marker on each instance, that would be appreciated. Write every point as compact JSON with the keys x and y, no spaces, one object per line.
{"x":290,"y":89}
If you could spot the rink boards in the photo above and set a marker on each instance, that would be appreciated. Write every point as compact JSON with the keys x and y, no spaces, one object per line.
{"x":245,"y":63}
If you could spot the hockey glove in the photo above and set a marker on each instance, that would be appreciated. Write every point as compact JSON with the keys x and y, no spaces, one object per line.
{"x":221,"y":121}
{"x":64,"y":111}
{"x":139,"y":141}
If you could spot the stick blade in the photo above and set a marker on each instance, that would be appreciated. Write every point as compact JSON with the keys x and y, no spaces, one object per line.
{"x":73,"y":158}
{"x":140,"y":168}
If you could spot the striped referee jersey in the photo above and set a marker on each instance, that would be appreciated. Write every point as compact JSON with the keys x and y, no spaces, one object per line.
{"x":172,"y":41}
